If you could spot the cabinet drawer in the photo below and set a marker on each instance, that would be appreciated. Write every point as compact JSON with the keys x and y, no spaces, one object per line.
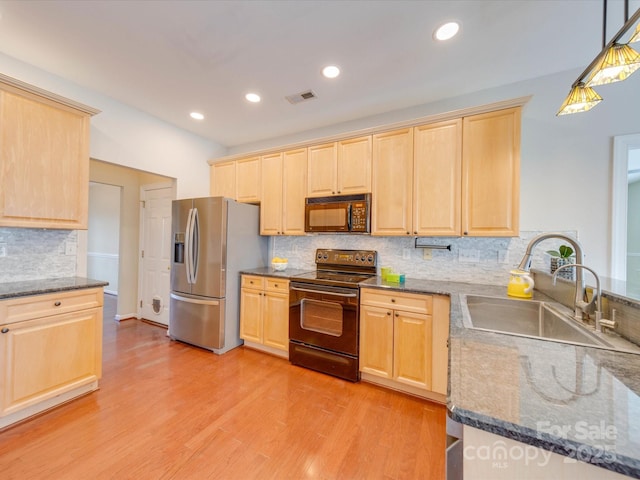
{"x":252,"y":281}
{"x":277,"y":285}
{"x":408,"y":302}
{"x":37,"y":306}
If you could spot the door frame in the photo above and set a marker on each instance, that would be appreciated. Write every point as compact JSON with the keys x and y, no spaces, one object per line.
{"x":622,"y":144}
{"x":143,"y":190}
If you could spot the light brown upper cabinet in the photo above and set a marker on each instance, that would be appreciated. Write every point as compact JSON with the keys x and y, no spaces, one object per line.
{"x":223,"y":179}
{"x":44,"y":155}
{"x":248,"y":182}
{"x":392,"y":180}
{"x":284,"y":185}
{"x":458,"y":177}
{"x":437,"y":178}
{"x":237,"y":179}
{"x":491,"y":174}
{"x":340,"y":168}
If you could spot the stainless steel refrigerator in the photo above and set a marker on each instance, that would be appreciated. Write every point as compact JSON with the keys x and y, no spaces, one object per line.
{"x":214,"y":238}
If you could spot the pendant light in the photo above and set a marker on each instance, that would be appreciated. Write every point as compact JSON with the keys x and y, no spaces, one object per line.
{"x":614,"y":63}
{"x":580,"y":99}
{"x":618,"y":63}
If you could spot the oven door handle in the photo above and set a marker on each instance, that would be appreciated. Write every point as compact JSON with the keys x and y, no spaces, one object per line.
{"x":325,"y":292}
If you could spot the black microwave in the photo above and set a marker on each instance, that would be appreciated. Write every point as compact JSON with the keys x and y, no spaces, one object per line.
{"x":338,"y":214}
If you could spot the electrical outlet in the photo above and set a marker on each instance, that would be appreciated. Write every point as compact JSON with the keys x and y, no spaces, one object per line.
{"x":70,"y":248}
{"x":406,"y":253}
{"x":3,"y":249}
{"x":427,"y":254}
{"x":503,"y":256}
{"x":468,"y":256}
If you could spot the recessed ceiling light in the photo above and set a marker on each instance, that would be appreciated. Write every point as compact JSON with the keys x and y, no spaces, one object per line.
{"x":446,"y":31}
{"x":331,"y":71}
{"x":252,"y":97}
{"x":196,"y":116}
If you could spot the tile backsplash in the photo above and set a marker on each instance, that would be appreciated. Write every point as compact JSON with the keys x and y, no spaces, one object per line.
{"x":34,"y":253}
{"x":471,"y":259}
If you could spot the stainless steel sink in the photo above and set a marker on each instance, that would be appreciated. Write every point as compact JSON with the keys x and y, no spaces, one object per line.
{"x":528,"y":318}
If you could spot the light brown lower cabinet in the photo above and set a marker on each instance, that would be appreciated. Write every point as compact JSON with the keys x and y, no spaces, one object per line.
{"x":50,"y":351}
{"x":403,"y":341}
{"x":264,"y":314}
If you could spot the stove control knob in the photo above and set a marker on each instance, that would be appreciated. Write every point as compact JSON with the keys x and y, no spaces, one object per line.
{"x":370,"y":258}
{"x":325,"y":256}
{"x":358,"y":257}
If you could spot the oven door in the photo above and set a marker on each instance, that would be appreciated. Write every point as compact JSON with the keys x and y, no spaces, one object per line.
{"x":324,"y":317}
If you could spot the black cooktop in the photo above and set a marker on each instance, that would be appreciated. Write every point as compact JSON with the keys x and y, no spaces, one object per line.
{"x":331,"y":278}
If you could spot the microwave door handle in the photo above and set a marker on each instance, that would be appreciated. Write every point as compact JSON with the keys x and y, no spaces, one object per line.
{"x":349,"y":217}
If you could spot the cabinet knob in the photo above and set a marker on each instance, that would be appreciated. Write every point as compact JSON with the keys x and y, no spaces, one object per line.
{"x":465,"y":233}
{"x":408,"y":233}
{"x":276,"y":285}
{"x":57,"y":304}
{"x":397,"y":314}
{"x":415,"y":233}
{"x":4,"y":330}
{"x":393,"y":300}
{"x":388,"y":313}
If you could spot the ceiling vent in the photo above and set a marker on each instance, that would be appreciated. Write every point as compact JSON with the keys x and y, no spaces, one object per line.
{"x":300,"y":97}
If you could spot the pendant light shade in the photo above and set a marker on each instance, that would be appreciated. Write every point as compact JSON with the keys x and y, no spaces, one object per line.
{"x":618,"y":63}
{"x":636,"y":36}
{"x":580,"y":99}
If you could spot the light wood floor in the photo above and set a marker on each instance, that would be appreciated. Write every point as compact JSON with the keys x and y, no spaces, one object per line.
{"x":166,"y":410}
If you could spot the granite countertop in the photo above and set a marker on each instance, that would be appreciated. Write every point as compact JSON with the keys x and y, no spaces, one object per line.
{"x":47,"y":285}
{"x":270,"y":272}
{"x":581,"y":402}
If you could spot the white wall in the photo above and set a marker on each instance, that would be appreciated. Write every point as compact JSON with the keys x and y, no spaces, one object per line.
{"x":103,"y":235}
{"x":566,"y":161}
{"x":126,"y":136}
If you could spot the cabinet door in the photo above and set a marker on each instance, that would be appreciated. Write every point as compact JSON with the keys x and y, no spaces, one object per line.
{"x":376,"y":341}
{"x":392,"y":183}
{"x":276,"y":320}
{"x":248,"y":180}
{"x":271,"y":204}
{"x":294,"y":190}
{"x":223,"y":180}
{"x":323,"y":164}
{"x":491,"y":174}
{"x":354,"y":166}
{"x":412,"y":349}
{"x":440,"y":345}
{"x":437,"y":176}
{"x":251,"y":315}
{"x":44,"y":151}
{"x":46,"y":357}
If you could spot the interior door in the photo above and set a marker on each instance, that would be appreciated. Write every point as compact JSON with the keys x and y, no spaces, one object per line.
{"x":156,"y":253}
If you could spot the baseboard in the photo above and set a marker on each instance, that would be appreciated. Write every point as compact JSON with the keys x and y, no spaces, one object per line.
{"x":404,"y":388}
{"x":126,"y":316}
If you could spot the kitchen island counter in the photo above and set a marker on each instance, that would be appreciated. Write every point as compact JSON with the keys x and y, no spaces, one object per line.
{"x":578,"y":401}
{"x":47,"y":285}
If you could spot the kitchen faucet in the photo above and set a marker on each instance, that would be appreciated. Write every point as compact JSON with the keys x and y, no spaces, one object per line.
{"x":580,"y":306}
{"x":600,"y":322}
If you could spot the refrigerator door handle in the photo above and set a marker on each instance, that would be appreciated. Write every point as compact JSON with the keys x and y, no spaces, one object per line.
{"x":194,"y":300}
{"x":195,"y":226}
{"x":188,"y":247}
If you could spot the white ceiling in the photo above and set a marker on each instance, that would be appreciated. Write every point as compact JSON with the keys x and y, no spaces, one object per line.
{"x":168,"y":58}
